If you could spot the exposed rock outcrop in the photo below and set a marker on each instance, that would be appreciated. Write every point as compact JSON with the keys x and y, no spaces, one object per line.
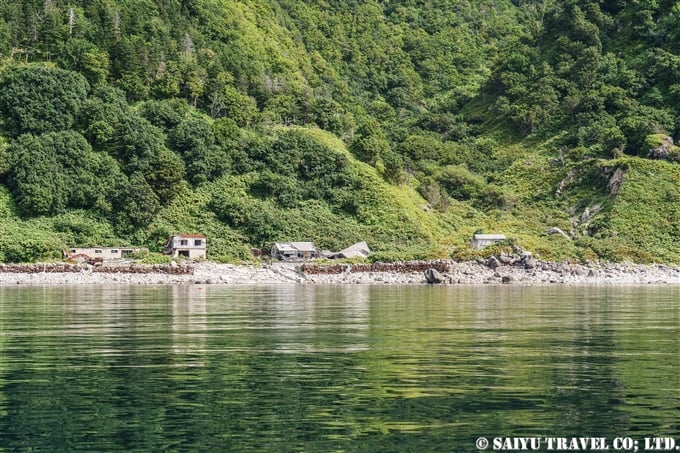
{"x":555,"y":230}
{"x":616,"y":181}
{"x":665,"y":149}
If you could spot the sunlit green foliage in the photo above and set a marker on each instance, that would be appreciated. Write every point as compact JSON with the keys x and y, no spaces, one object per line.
{"x":53,"y":171}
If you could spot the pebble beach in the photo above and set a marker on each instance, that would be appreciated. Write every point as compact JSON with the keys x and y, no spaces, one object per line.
{"x":450,"y":273}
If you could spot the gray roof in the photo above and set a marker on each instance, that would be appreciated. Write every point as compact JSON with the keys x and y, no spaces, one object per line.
{"x":358,"y":249}
{"x":284,"y":247}
{"x":295,"y":246}
{"x":489,"y":237}
{"x":304,"y":246}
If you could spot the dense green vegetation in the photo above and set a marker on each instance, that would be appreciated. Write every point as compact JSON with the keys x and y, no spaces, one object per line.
{"x":407,"y":124}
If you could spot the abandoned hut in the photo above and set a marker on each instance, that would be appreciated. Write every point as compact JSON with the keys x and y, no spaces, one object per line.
{"x":191,"y":246}
{"x":479,"y":241}
{"x":105,"y":253}
{"x":294,"y":251}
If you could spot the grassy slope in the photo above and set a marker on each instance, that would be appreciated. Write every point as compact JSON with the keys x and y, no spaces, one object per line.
{"x":641,"y":222}
{"x":394,"y":220}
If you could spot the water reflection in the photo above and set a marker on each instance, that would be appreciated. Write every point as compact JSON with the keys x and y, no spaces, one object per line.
{"x":309,"y":319}
{"x":349,"y":368}
{"x":189,"y":319}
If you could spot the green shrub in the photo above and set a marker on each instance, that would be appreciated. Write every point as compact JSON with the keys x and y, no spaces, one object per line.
{"x":37,"y":99}
{"x":153,"y":258}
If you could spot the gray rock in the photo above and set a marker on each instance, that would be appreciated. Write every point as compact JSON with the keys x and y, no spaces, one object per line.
{"x":493,"y":262}
{"x":615,"y":182}
{"x":505,"y":259}
{"x":578,"y":270}
{"x":663,"y":151}
{"x":433,"y":276}
{"x":506,"y":279}
{"x":555,"y":230}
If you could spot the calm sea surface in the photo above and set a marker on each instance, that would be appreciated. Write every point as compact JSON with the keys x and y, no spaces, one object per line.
{"x":361,"y":368}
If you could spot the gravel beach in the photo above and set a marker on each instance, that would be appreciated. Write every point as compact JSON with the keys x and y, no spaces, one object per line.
{"x":451,"y":273}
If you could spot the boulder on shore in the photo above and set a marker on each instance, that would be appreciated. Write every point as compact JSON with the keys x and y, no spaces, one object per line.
{"x":493,"y":262}
{"x":527,"y":260}
{"x":505,"y":258}
{"x":433,"y":276}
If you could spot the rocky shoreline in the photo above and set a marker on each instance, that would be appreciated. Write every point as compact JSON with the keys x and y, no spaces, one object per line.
{"x":490,"y":272}
{"x":543,"y":273}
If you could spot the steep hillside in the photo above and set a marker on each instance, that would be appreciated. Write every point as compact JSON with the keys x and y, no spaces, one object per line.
{"x":410,"y":125}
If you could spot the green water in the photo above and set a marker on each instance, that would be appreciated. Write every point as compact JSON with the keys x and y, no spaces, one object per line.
{"x":303,"y":368}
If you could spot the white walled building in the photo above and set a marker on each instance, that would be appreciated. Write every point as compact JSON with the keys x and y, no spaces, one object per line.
{"x":190,"y":246}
